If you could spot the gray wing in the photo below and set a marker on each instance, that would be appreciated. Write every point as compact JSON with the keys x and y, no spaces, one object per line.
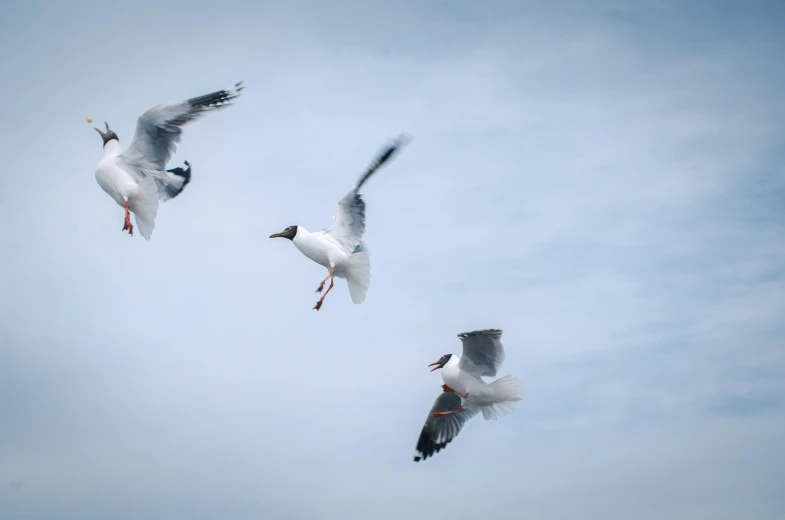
{"x":483,"y":352}
{"x":349,"y":226}
{"x":438,"y":432}
{"x":158,"y":130}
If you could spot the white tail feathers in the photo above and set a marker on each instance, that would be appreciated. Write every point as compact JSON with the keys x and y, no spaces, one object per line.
{"x":144,"y":204}
{"x":507,"y":391}
{"x":358,"y":276}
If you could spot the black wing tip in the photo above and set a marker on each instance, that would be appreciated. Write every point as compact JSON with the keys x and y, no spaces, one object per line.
{"x":429,"y":451}
{"x":234,"y":91}
{"x":486,"y":332}
{"x":426,"y":447}
{"x":391,"y":149}
{"x":218,"y":99}
{"x":181,"y":171}
{"x":223,"y":98}
{"x":397,"y":143}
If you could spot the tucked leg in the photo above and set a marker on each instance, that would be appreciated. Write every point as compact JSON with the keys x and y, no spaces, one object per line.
{"x":442,"y":414}
{"x":321,"y":285}
{"x":450,"y":389}
{"x":127,"y":224}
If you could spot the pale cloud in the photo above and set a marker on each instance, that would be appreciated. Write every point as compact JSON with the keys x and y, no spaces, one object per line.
{"x":602,"y":181}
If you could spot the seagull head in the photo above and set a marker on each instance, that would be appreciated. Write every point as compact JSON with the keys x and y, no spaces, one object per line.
{"x":108,"y":135}
{"x":289,"y":233}
{"x":440,"y":364}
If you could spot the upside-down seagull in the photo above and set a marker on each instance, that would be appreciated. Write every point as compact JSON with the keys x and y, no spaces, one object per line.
{"x":136,"y":178}
{"x":340,"y":248}
{"x":465,"y":394}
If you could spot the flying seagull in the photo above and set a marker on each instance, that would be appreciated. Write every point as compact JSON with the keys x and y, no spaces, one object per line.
{"x":136,"y":178}
{"x":340,"y":248}
{"x":465,"y":394}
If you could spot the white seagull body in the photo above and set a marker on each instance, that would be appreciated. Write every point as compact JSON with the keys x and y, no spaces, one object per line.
{"x":340,"y":248}
{"x":465,"y":393}
{"x":136,"y":178}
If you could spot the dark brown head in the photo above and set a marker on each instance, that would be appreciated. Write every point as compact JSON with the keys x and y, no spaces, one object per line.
{"x":440,"y":364}
{"x":108,"y":135}
{"x":289,"y":233}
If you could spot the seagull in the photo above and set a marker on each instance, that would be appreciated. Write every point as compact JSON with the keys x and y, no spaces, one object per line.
{"x":340,"y":248}
{"x":465,"y":394}
{"x":136,"y":178}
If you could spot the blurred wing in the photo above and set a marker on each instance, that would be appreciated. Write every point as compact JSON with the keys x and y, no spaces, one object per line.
{"x":349,"y":223}
{"x":437,"y":433}
{"x":158,"y":130}
{"x":483,"y":352}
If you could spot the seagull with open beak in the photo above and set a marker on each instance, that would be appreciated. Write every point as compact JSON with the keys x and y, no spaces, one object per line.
{"x":465,"y":394}
{"x":137,"y":178}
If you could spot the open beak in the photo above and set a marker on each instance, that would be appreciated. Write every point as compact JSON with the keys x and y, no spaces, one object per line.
{"x":100,"y":132}
{"x":437,"y":366}
{"x":276,"y":235}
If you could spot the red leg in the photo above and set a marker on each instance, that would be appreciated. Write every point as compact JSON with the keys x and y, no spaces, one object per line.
{"x":321,"y":285}
{"x":442,"y":414}
{"x":127,"y":224}
{"x":319,"y":303}
{"x":450,"y":389}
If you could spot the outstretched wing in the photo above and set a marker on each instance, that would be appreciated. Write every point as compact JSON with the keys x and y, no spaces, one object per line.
{"x":438,"y":432}
{"x":158,"y":130}
{"x":349,"y":225}
{"x":483,"y":352}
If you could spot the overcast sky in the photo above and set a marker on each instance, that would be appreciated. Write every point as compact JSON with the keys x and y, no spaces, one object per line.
{"x":603,"y":180}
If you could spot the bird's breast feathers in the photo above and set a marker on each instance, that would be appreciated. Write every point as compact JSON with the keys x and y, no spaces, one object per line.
{"x":114,"y":180}
{"x":455,"y":378}
{"x":319,"y":248}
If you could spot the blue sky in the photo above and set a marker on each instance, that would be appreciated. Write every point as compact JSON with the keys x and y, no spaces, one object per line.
{"x":603,"y":181}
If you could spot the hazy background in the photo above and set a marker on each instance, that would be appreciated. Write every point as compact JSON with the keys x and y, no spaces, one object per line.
{"x":602,"y":180}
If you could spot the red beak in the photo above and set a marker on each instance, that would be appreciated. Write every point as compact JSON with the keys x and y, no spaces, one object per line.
{"x":437,"y":367}
{"x":276,"y":235}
